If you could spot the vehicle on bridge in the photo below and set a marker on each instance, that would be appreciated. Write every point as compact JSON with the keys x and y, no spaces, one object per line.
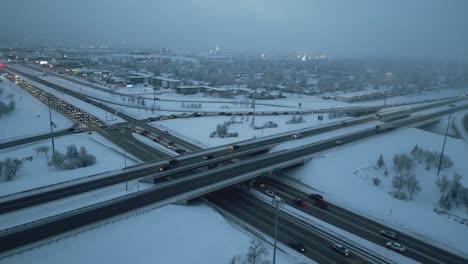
{"x":297,"y":135}
{"x":384,"y":127}
{"x":234,"y":147}
{"x":165,"y":167}
{"x":172,"y":162}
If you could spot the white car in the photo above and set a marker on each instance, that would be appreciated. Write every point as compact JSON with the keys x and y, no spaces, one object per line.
{"x":396,"y":246}
{"x":271,"y":193}
{"x":338,"y":142}
{"x":297,"y":135}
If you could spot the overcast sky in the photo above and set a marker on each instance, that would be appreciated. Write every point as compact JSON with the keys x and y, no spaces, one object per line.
{"x":436,"y":28}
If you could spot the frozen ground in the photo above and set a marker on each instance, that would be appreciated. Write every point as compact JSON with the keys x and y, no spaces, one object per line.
{"x":30,"y":117}
{"x":201,"y":127}
{"x":346,"y":179}
{"x":172,"y":234}
{"x":36,"y":173}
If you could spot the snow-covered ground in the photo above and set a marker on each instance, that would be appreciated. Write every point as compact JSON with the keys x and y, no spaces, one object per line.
{"x":213,"y":104}
{"x":346,"y":179}
{"x":36,"y":173}
{"x":172,"y":234}
{"x":198,"y":129}
{"x":30,"y":117}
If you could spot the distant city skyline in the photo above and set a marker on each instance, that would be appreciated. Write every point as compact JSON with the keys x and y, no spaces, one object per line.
{"x":415,"y":28}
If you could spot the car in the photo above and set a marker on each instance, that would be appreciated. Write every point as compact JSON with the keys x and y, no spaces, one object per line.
{"x":165,"y":132}
{"x":342,"y":123}
{"x":127,"y":127}
{"x":275,"y":113}
{"x":299,"y":202}
{"x":297,"y":135}
{"x":234,"y":147}
{"x":317,"y":197}
{"x":298,"y":246}
{"x":212,"y":165}
{"x":222,"y":113}
{"x":171,"y":143}
{"x":250,"y":113}
{"x":338,"y":142}
{"x":228,"y":114}
{"x":396,"y":246}
{"x":71,"y":129}
{"x":172,"y":162}
{"x":389,"y":234}
{"x":111,"y":128}
{"x":208,"y":157}
{"x":271,"y":193}
{"x":341,"y":249}
{"x":164,"y":167}
{"x":180,"y":151}
{"x":321,"y":205}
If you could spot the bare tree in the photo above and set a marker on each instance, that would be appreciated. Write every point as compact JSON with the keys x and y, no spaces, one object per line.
{"x":256,"y":251}
{"x":11,"y":167}
{"x":413,"y":185}
{"x":398,"y":182}
{"x":442,"y":182}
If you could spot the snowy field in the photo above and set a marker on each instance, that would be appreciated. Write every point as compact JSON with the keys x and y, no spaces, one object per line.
{"x":30,"y":117}
{"x":36,"y":173}
{"x":346,"y":179}
{"x":172,"y":234}
{"x":201,"y":127}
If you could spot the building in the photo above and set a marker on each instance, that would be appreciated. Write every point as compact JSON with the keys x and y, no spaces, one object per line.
{"x":163,"y":82}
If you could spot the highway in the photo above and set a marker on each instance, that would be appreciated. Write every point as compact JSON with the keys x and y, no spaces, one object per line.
{"x":7,"y":205}
{"x":360,"y":226}
{"x":44,"y":228}
{"x":261,"y":216}
{"x":28,"y":140}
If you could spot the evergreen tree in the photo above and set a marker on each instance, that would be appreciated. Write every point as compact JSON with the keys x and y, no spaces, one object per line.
{"x":380,"y":161}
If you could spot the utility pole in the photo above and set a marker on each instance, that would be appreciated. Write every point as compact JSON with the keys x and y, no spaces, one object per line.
{"x":51,"y":129}
{"x":253,"y":120}
{"x":277,"y":202}
{"x":445,"y":138}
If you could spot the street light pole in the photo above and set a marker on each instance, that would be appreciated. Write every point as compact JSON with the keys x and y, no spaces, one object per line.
{"x":445,"y":138}
{"x":277,"y":201}
{"x":125,"y":164}
{"x":154,"y":98}
{"x":51,"y":129}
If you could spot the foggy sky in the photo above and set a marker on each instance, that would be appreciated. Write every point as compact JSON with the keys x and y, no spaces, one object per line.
{"x":414,"y":28}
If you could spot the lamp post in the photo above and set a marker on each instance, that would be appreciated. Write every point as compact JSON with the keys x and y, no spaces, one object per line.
{"x":445,"y":138}
{"x":277,"y":202}
{"x":125,"y":166}
{"x":154,"y":97}
{"x":51,"y":129}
